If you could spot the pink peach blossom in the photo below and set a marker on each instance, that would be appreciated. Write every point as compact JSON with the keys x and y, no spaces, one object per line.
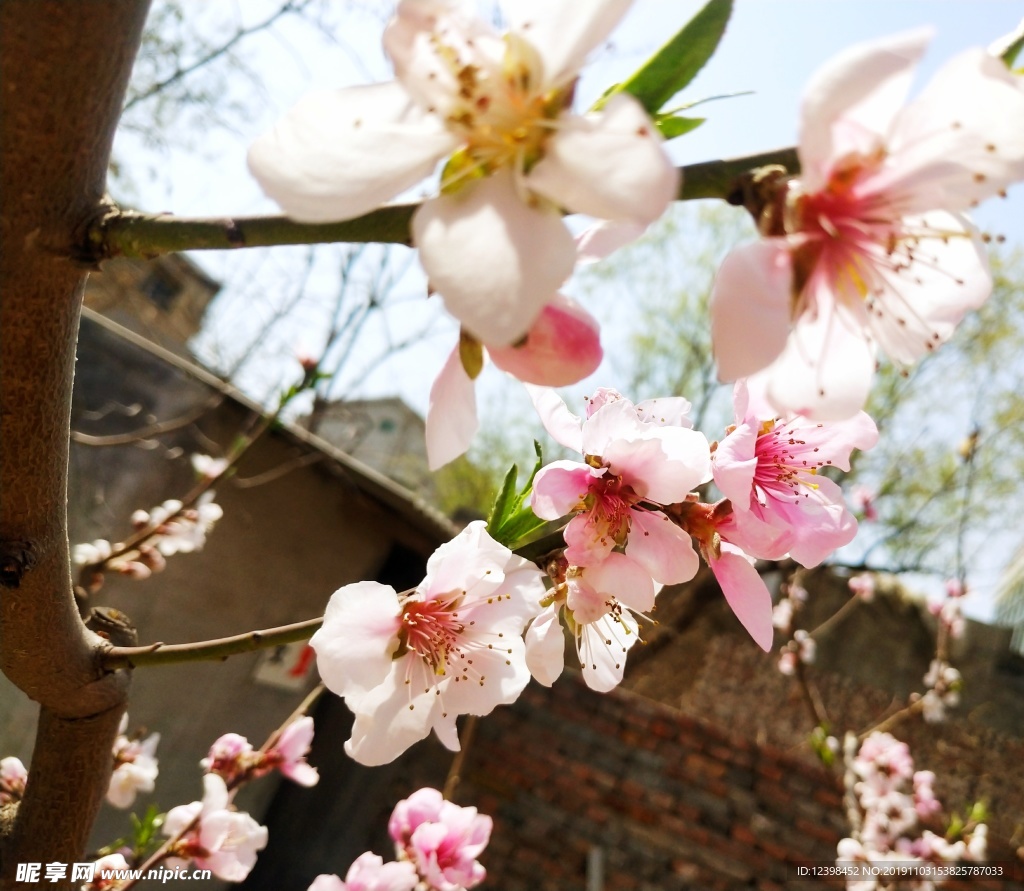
{"x":868,"y":250}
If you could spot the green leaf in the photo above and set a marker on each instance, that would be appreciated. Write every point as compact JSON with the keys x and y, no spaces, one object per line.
{"x":1009,"y":46}
{"x":674,"y":126}
{"x":673,"y":66}
{"x":512,"y":521}
{"x":504,"y":502}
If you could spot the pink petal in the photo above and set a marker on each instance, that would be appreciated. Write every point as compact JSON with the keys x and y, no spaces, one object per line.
{"x":339,"y":154}
{"x":663,"y":549}
{"x":851,"y":102}
{"x":750,"y":307}
{"x":622,"y":577}
{"x":451,"y":416}
{"x":610,"y":165}
{"x":564,"y":32}
{"x":562,"y":347}
{"x":734,"y":464}
{"x":494,"y":258}
{"x":746,"y":594}
{"x":558,"y":488}
{"x":663,"y":464}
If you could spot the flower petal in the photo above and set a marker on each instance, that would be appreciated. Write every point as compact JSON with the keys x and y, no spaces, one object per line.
{"x":562,"y":347}
{"x":602,"y":647}
{"x":564,"y":31}
{"x":850,"y":103}
{"x":495,"y":259}
{"x":750,"y":307}
{"x":558,"y":488}
{"x":359,"y":635}
{"x":610,"y":165}
{"x":734,"y":463}
{"x":451,"y":416}
{"x":339,"y":154}
{"x":565,"y":427}
{"x":622,"y":577}
{"x":961,"y":140}
{"x":745,"y":591}
{"x":545,"y":647}
{"x":661,"y":547}
{"x":826,"y":369}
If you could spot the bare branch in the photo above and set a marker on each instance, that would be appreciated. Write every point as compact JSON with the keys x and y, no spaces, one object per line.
{"x":149,"y":432}
{"x":208,"y":650}
{"x":121,"y":233}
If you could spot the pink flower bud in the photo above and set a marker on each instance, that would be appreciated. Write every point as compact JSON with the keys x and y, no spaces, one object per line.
{"x":562,"y":346}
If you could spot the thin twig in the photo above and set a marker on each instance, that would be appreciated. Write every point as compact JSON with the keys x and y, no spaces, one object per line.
{"x":226,"y":47}
{"x":143,"y":433}
{"x":208,"y":650}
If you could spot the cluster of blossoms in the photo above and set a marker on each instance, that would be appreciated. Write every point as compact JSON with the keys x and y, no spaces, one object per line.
{"x":944,"y":683}
{"x":213,"y":835}
{"x":893,"y":798}
{"x":135,"y":766}
{"x":407,"y":664}
{"x":13,"y":775}
{"x":437,"y":844}
{"x":233,"y":758}
{"x":175,"y":530}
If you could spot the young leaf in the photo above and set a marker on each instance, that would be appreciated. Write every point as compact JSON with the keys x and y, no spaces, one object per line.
{"x":504,"y":502}
{"x":676,"y":64}
{"x":673,"y":126}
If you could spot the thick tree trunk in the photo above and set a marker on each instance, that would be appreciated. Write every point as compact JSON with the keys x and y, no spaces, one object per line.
{"x":64,"y":67}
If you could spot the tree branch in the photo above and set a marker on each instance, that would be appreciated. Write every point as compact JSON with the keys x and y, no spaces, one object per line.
{"x":64,"y":69}
{"x":123,"y":233}
{"x":208,"y":650}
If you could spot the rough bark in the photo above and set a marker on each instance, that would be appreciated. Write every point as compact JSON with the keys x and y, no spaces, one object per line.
{"x":63,"y":71}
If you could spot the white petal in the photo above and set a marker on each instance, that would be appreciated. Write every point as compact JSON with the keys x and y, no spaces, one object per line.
{"x":545,"y":647}
{"x":385,"y":725}
{"x":431,"y":42}
{"x":472,"y":561}
{"x":850,"y":103}
{"x":750,"y":307}
{"x":341,"y":153}
{"x":602,"y":647}
{"x":565,"y":427}
{"x":947,"y":277}
{"x":604,"y":238}
{"x":451,"y":417}
{"x":355,"y":644}
{"x":826,"y":369}
{"x":610,"y":165}
{"x":495,"y":259}
{"x":564,"y":31}
{"x":961,"y":141}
